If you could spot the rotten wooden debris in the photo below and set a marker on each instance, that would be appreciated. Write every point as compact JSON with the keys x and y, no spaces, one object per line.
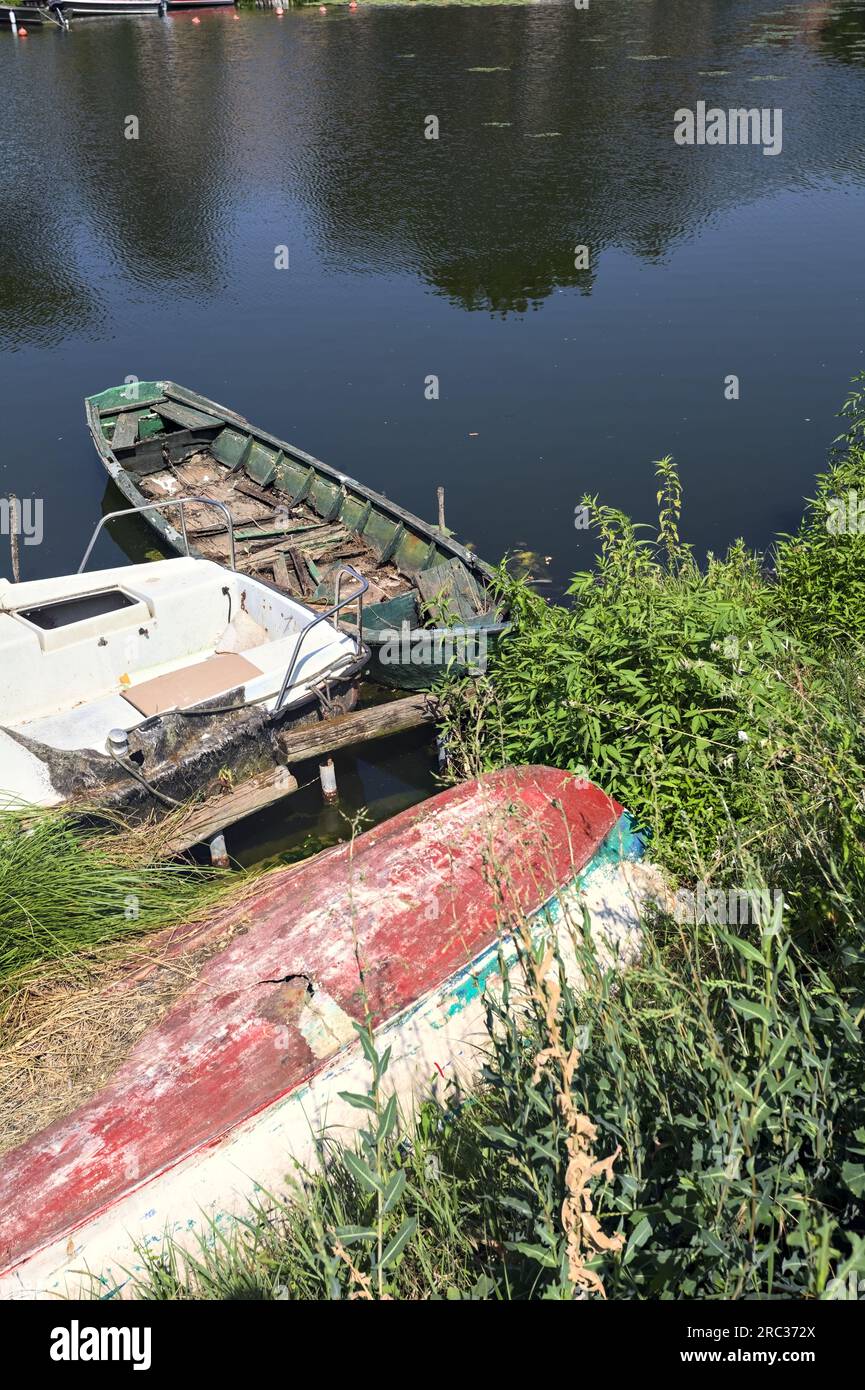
{"x":206,"y":820}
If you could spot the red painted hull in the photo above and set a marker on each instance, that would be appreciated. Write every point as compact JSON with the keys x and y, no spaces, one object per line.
{"x":413,"y":900}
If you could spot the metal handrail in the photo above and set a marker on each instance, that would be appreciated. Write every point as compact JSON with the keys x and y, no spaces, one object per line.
{"x":323,"y":617}
{"x":161,"y":506}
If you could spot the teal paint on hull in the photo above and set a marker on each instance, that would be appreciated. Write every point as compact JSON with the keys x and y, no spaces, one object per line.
{"x":622,"y":844}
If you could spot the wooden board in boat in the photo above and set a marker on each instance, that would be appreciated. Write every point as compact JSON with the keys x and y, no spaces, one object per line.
{"x":191,"y":685}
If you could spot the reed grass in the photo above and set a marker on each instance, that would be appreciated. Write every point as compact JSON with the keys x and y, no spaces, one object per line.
{"x":65,"y":889}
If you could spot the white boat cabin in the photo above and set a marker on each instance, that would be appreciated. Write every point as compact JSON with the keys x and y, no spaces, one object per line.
{"x":83,"y":655}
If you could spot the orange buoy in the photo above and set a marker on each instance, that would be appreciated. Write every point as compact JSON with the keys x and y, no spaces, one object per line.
{"x":322,"y":9}
{"x":22,"y":33}
{"x":352,"y":4}
{"x":279,"y":11}
{"x":196,"y":20}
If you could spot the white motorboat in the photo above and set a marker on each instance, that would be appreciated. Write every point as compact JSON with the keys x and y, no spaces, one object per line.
{"x":142,"y":684}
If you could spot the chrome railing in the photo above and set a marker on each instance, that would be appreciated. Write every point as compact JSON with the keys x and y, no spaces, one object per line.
{"x":323,"y":618}
{"x":180,"y":502}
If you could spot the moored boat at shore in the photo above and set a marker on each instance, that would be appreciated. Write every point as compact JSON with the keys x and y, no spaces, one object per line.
{"x":95,"y":9}
{"x":27,"y":15}
{"x":431,"y":603}
{"x":140,"y":687}
{"x":243,"y":1071}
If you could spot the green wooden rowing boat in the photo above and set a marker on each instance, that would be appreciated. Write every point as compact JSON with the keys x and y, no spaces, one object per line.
{"x":296,"y":522}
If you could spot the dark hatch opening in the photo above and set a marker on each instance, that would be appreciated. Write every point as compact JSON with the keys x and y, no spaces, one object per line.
{"x":76,"y":610}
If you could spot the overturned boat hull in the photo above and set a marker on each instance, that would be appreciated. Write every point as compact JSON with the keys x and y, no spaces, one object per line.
{"x":215,"y":1101}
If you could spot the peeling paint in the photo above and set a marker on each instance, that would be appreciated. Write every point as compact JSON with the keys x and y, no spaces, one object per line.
{"x":325,"y":1025}
{"x":221,"y":1095}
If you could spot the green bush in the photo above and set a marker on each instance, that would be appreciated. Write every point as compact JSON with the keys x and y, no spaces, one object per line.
{"x":820,"y":590}
{"x":731,"y":1079}
{"x":723,"y":705}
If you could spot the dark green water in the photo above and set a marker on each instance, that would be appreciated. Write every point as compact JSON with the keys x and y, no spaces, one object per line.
{"x":411,"y":257}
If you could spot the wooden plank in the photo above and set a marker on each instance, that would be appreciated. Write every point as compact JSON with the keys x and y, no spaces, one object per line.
{"x":331,"y":533}
{"x":304,"y":578}
{"x":264,"y":555}
{"x":125,"y":430}
{"x":307,"y":546}
{"x":255,"y":794}
{"x":135,"y":401}
{"x":281,"y":576}
{"x":361,"y":726}
{"x":250,"y":489}
{"x":344,"y":553}
{"x":312,"y":741}
{"x":442,"y":594}
{"x":188,"y":418}
{"x":200,"y":533}
{"x":466,"y":585}
{"x":272,"y":531}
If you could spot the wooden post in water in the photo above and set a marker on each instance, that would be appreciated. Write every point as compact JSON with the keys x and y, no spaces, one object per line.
{"x":219,"y":852}
{"x":442,"y":752}
{"x":14,"y":524}
{"x":441,"y":497}
{"x":327,"y":773}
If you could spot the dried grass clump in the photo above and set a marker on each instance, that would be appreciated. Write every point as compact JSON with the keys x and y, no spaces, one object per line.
{"x":66,"y":1027}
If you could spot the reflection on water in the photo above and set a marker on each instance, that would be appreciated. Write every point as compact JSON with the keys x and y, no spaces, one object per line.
{"x":560,"y":130}
{"x":155,"y":256}
{"x":456,"y":257}
{"x":392,"y":775}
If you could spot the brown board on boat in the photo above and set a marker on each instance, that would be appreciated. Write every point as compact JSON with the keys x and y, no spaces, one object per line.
{"x":190,"y":686}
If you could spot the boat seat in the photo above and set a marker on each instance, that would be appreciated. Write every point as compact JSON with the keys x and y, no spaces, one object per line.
{"x":191,"y":685}
{"x":186,"y":417}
